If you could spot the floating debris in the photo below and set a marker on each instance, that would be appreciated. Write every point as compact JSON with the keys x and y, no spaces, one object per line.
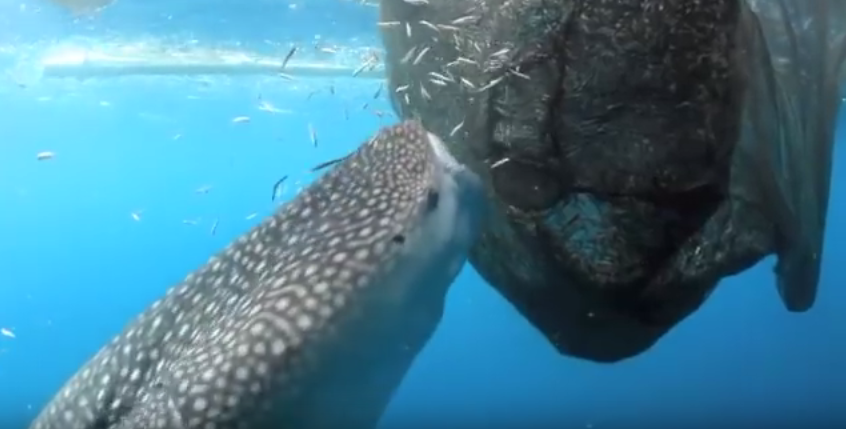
{"x":190,"y":222}
{"x":44,"y":156}
{"x":7,"y":333}
{"x":136,"y":216}
{"x":240,"y":119}
{"x":251,"y":215}
{"x":213,"y":228}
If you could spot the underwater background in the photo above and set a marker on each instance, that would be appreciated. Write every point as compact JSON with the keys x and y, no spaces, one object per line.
{"x":153,"y":170}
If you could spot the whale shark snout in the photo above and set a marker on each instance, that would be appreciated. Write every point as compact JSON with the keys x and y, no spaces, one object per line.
{"x":310,"y":320}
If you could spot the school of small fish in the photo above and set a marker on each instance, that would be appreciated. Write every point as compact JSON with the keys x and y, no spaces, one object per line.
{"x":370,"y":60}
{"x":449,"y":74}
{"x":492,"y":60}
{"x":451,"y":28}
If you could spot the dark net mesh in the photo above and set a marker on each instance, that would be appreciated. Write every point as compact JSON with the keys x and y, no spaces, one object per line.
{"x":636,"y":152}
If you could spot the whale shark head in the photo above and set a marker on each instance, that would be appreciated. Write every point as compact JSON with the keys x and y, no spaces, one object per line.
{"x":310,"y":320}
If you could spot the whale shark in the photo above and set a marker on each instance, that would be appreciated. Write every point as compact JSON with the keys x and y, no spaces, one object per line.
{"x":311,"y":319}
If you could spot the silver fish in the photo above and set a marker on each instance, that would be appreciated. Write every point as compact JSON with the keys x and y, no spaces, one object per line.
{"x":277,"y":188}
{"x":288,"y":57}
{"x":339,"y":289}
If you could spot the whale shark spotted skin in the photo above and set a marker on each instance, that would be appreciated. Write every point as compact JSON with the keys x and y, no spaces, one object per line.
{"x":308,"y":321}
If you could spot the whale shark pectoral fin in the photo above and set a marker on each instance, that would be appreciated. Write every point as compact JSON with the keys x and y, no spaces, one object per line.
{"x":794,"y":96}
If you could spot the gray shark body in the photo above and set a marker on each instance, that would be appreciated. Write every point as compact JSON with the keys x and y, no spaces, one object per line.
{"x":308,"y":321}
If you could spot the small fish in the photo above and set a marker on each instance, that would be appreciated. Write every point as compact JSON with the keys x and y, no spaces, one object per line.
{"x":189,"y":221}
{"x":362,"y":68}
{"x":420,"y":56}
{"x":463,"y":19}
{"x":286,"y":76}
{"x":500,"y":162}
{"x":213,"y":228}
{"x":378,"y":92}
{"x":240,"y":119}
{"x":44,"y":156}
{"x":441,"y":77}
{"x":288,"y":57}
{"x":456,"y":128}
{"x":312,"y":135}
{"x":251,"y":215}
{"x":277,"y":188}
{"x":7,"y":333}
{"x":520,"y":74}
{"x":501,"y":53}
{"x":408,"y":55}
{"x":136,"y":216}
{"x":388,"y":24}
{"x":447,"y":27}
{"x":430,"y":25}
{"x":491,"y":84}
{"x":266,"y":106}
{"x":329,"y":163}
{"x":203,"y":189}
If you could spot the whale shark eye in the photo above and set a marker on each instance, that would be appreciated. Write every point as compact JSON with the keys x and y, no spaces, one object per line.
{"x":432,"y":199}
{"x":398,"y":239}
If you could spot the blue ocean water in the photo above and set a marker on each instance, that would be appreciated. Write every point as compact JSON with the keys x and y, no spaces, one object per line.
{"x":145,"y":165}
